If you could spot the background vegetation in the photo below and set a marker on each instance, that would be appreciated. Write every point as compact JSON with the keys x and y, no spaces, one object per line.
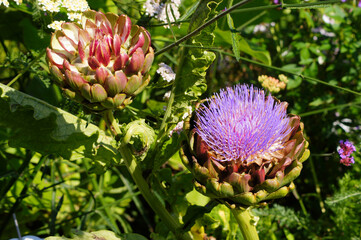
{"x":67,"y":186}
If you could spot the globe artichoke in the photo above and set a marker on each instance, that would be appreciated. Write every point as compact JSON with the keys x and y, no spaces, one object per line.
{"x":243,"y":148}
{"x":102,"y":62}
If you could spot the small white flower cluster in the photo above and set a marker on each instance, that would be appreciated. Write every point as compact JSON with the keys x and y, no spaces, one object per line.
{"x":170,"y":9}
{"x":160,"y":10}
{"x":75,"y":6}
{"x":56,"y":25}
{"x":6,"y":2}
{"x":264,"y":27}
{"x":166,"y":72}
{"x":179,"y":127}
{"x":50,"y":5}
{"x":74,"y":9}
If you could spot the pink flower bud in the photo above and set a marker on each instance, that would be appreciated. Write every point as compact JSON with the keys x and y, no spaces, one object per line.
{"x":134,"y":83}
{"x":74,"y":80}
{"x":120,"y":61}
{"x":123,"y":27}
{"x":101,"y":74}
{"x":98,"y":93}
{"x":136,"y":62}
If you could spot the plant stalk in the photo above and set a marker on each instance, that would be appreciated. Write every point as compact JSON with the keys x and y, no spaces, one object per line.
{"x":245,"y":223}
{"x":136,"y":173}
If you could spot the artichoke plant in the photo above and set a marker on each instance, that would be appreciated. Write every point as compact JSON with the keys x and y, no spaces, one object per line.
{"x":102,"y":62}
{"x":243,"y":148}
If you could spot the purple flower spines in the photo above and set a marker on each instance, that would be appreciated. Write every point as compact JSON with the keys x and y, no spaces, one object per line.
{"x":242,"y":122}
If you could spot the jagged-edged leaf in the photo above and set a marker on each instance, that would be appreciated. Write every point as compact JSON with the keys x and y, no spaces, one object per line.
{"x":190,"y":77}
{"x":38,"y":126}
{"x":196,"y":61}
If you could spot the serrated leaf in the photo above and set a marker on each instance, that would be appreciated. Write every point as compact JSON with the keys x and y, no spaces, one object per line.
{"x":235,"y":38}
{"x":38,"y":126}
{"x":190,"y":80}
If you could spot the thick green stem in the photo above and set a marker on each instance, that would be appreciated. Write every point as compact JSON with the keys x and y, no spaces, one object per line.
{"x":245,"y":223}
{"x":136,"y":173}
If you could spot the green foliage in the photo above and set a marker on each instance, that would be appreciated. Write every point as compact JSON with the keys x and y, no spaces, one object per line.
{"x":50,"y":149}
{"x":64,"y":134}
{"x":344,"y":204}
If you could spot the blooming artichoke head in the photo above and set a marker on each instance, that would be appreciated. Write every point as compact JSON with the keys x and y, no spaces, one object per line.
{"x":243,"y":148}
{"x":102,"y":62}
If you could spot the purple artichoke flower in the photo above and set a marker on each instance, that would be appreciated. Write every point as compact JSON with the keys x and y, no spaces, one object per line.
{"x":244,"y":148}
{"x":102,"y":63}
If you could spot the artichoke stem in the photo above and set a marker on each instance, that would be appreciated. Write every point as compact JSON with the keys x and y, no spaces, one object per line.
{"x":245,"y":223}
{"x":136,"y":173}
{"x":111,"y":123}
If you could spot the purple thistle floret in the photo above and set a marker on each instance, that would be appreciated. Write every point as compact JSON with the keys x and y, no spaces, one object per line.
{"x":345,"y":150}
{"x":241,"y":123}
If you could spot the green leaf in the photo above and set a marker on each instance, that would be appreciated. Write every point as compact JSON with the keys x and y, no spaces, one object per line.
{"x":32,"y":37}
{"x":196,"y":61}
{"x":190,"y":81}
{"x":236,"y":38}
{"x":46,"y":129}
{"x":226,"y":37}
{"x":104,"y":6}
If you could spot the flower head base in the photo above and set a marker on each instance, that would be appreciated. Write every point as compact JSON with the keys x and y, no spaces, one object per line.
{"x":345,"y":150}
{"x":243,"y":148}
{"x":102,"y":63}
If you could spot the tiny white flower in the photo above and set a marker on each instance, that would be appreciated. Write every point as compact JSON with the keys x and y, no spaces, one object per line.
{"x":328,"y":20}
{"x":152,"y":8}
{"x":186,"y":114}
{"x":74,"y":16}
{"x":56,"y":25}
{"x":320,"y":60}
{"x":166,"y":72}
{"x":176,"y":2}
{"x":50,"y":5}
{"x":177,"y":129}
{"x":260,"y":28}
{"x":75,"y":6}
{"x":173,"y":13}
{"x":5,"y":2}
{"x":166,"y":96}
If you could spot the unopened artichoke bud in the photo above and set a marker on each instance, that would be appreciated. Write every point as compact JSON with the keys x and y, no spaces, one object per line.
{"x":139,"y":136}
{"x":102,"y":62}
{"x":243,"y":148}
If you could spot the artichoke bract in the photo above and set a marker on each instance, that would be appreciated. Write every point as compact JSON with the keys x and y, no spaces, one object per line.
{"x":102,"y":62}
{"x":243,"y":148}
